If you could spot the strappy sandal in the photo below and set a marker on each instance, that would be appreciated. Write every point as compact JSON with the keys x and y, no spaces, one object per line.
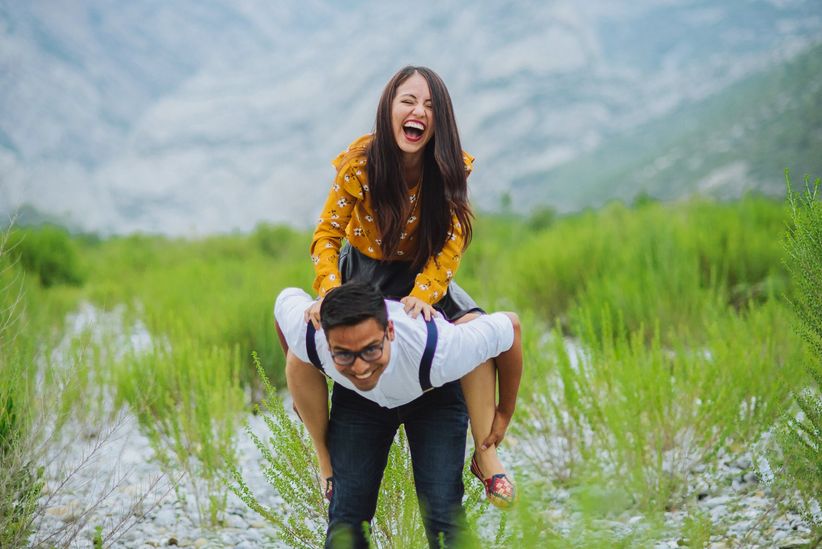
{"x":499,"y":489}
{"x":329,"y":488}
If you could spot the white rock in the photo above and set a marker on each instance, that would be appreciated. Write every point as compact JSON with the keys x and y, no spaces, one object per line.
{"x":66,"y":513}
{"x":717,"y":501}
{"x":164,"y":517}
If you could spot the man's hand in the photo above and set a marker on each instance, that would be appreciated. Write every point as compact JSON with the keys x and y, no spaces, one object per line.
{"x":313,"y":313}
{"x":414,"y":306}
{"x":498,"y":428}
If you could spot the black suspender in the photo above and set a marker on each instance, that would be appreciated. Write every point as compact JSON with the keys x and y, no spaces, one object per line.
{"x":425,"y":361}
{"x":311,"y":346}
{"x":428,"y":356}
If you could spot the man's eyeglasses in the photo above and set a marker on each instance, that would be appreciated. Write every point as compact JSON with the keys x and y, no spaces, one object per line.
{"x":369,"y":354}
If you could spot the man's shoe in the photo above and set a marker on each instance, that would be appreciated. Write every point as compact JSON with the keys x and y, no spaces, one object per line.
{"x":500,"y":490}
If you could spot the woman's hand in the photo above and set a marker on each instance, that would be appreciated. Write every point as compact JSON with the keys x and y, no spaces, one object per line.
{"x":313,"y":313}
{"x":498,"y":428}
{"x":414,"y":306}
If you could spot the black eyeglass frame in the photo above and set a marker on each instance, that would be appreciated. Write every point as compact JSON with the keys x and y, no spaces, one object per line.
{"x":378,"y":348}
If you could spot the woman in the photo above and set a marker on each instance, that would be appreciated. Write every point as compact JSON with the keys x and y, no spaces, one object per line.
{"x":400,"y":199}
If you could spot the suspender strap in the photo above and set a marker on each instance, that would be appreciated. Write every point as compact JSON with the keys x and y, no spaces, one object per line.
{"x":428,"y":355}
{"x":311,"y":347}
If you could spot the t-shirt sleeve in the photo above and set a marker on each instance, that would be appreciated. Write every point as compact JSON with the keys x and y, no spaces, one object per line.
{"x":472,"y":343}
{"x":289,"y":309}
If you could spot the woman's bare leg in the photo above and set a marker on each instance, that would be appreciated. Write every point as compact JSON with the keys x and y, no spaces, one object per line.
{"x":310,"y":393}
{"x":480,"y":390}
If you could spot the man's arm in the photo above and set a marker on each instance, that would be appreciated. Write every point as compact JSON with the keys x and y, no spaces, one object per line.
{"x":289,"y":317}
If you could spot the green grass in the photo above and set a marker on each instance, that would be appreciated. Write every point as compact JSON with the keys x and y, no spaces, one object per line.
{"x":655,"y":337}
{"x":673,"y":264}
{"x":187,"y":398}
{"x":800,"y":432}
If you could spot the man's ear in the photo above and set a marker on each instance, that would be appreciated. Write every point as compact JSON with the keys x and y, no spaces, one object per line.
{"x":389,"y":330}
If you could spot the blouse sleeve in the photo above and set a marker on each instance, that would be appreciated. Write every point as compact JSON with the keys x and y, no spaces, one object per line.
{"x":431,"y":284}
{"x":327,"y":240}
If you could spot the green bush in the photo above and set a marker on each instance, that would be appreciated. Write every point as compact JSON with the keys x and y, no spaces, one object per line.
{"x":624,"y":410}
{"x":21,"y":478}
{"x":187,"y":399}
{"x":50,"y":253}
{"x":290,"y":467}
{"x":659,"y":262}
{"x":800,"y":436}
{"x":221,"y":288}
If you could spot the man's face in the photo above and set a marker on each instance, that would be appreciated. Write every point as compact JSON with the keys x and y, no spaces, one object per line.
{"x":365,"y":340}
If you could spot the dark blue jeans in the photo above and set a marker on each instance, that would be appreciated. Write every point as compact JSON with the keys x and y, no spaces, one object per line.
{"x":360,"y":434}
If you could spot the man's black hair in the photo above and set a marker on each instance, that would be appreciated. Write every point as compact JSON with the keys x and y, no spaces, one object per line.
{"x":352,"y":303}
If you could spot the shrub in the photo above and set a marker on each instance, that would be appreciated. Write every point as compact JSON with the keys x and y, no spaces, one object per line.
{"x":50,"y":254}
{"x":623,"y":410}
{"x":20,"y":478}
{"x":801,"y":434}
{"x":187,"y":399}
{"x":291,"y":469}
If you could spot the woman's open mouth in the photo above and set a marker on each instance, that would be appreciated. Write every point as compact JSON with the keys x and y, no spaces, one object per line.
{"x":413,"y":130}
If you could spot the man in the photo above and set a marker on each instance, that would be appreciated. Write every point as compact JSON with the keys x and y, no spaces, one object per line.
{"x":390,"y":369}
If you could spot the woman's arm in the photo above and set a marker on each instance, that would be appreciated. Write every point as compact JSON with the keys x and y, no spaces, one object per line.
{"x":327,"y":239}
{"x":431,"y":284}
{"x":509,"y":372}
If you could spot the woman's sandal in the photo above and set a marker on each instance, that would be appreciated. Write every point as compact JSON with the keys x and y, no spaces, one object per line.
{"x":500,"y":490}
{"x":329,"y":488}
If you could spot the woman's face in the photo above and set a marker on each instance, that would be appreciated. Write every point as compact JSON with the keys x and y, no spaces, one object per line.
{"x":412,"y":116}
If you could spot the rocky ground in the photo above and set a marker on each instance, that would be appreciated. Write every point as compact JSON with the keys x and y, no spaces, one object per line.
{"x":114,"y":483}
{"x":135,"y":492}
{"x":116,"y":463}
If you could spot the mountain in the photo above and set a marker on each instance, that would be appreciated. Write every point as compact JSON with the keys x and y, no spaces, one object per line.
{"x":210,"y":116}
{"x":738,"y":140}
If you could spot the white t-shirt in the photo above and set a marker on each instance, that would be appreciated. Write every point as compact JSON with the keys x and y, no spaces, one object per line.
{"x":460,"y":347}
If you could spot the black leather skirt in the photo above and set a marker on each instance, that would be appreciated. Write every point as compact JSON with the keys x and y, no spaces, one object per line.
{"x":395,"y":279}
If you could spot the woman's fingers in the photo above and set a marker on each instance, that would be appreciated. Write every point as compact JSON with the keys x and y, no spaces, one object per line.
{"x":410,"y":306}
{"x":414,"y":306}
{"x":498,"y":428}
{"x":313,"y":314}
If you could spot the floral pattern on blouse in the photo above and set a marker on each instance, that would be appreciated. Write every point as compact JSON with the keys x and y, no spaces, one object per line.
{"x":348,"y":214}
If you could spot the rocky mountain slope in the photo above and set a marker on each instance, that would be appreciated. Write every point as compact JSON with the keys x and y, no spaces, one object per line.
{"x":191,"y":118}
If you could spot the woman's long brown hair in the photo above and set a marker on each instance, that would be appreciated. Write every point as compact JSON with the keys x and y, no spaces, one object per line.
{"x":444,"y":190}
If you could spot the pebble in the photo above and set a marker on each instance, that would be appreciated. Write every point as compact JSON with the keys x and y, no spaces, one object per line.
{"x":164,"y":518}
{"x":793,"y":542}
{"x":739,"y":505}
{"x":738,"y":508}
{"x":717,"y":501}
{"x":66,"y":513}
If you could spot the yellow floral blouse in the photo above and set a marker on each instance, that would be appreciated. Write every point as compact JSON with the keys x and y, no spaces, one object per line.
{"x":348,"y":214}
